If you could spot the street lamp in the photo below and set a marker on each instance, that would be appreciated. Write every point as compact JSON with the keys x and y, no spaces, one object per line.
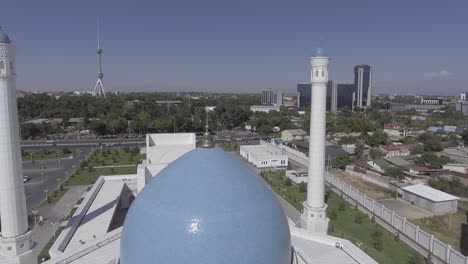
{"x":58,"y":182}
{"x":46,"y":191}
{"x":34,"y":211}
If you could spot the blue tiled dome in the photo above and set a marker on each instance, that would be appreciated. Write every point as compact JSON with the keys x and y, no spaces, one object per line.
{"x":206,"y":207}
{"x":4,"y":37}
{"x":319,"y":52}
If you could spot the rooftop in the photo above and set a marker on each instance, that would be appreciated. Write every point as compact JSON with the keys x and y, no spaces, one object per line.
{"x":429,"y":193}
{"x":262,"y":151}
{"x":296,"y":132}
{"x":98,"y":217}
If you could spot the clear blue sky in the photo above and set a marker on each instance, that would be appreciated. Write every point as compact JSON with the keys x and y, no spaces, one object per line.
{"x":417,"y":46}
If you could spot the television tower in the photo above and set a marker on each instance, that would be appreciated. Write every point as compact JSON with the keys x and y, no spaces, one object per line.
{"x":99,"y":87}
{"x":16,"y":246}
{"x":314,"y":217}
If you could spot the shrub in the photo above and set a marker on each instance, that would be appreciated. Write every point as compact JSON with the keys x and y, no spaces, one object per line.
{"x":378,"y":244}
{"x":66,"y":151}
{"x":288,"y":182}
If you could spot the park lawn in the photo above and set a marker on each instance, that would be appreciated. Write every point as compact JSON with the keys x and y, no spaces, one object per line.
{"x":88,"y":177}
{"x":114,"y":157}
{"x":344,"y":225}
{"x":441,"y":228}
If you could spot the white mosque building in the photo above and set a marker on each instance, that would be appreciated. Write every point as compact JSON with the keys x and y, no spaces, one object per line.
{"x":184,"y":205}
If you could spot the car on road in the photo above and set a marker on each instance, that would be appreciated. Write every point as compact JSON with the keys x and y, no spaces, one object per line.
{"x":26,"y":178}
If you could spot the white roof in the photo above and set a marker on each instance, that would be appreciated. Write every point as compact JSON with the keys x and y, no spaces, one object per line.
{"x":262,"y":151}
{"x":97,"y":220}
{"x":429,"y":193}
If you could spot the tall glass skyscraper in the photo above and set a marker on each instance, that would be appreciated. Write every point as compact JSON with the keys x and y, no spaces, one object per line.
{"x":363,"y":84}
{"x":304,"y":90}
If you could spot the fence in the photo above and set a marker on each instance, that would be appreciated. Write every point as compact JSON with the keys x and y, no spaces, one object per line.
{"x":409,"y":233}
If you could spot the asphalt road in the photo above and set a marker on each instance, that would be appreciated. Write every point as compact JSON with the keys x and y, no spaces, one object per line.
{"x":49,"y":178}
{"x":95,"y":143}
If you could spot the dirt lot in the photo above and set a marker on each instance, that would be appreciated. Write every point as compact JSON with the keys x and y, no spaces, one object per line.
{"x":405,"y":209}
{"x":371,"y":190}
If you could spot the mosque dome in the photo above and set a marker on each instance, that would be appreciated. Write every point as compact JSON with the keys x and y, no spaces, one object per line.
{"x":319,"y":52}
{"x":206,"y":207}
{"x":4,"y":37}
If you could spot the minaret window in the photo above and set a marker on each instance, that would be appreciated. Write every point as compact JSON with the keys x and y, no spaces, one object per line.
{"x":323,"y":73}
{"x":11,"y":65}
{"x":2,"y":65}
{"x":316,"y":73}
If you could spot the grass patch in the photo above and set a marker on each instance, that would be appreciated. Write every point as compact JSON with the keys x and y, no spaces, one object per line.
{"x":445,"y":229}
{"x":45,"y":251}
{"x":72,"y":212}
{"x":89,"y":176}
{"x":349,"y":223}
{"x":43,"y":155}
{"x":55,"y":197}
{"x":289,"y":191}
{"x":115,"y":157}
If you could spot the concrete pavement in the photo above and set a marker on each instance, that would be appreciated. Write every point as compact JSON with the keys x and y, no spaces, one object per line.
{"x":52,"y":215}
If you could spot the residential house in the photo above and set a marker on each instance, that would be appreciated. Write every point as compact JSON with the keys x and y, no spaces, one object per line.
{"x":293,"y":134}
{"x":396,"y":131}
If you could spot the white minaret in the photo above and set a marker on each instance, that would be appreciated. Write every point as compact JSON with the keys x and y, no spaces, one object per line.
{"x":99,"y":87}
{"x":16,"y":246}
{"x":314,"y":217}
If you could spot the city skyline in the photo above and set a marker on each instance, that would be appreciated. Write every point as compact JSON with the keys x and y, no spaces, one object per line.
{"x":239,"y":48}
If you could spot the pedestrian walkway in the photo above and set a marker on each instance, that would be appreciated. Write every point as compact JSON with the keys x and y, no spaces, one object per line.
{"x":52,"y":214}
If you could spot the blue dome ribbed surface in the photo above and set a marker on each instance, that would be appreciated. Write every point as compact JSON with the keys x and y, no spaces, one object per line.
{"x":4,"y":37}
{"x":207,"y":207}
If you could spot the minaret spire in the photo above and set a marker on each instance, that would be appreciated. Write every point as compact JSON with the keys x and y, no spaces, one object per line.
{"x":99,"y":87}
{"x":314,"y":217}
{"x":16,"y":246}
{"x":207,"y":141}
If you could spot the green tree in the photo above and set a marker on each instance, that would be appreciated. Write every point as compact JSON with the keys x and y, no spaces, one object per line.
{"x":376,"y":153}
{"x":395,"y":172}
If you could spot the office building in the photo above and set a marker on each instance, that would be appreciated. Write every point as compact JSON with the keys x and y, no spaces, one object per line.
{"x":339,"y":95}
{"x":464,"y":96}
{"x":272,"y":97}
{"x":363,"y":84}
{"x":304,"y":90}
